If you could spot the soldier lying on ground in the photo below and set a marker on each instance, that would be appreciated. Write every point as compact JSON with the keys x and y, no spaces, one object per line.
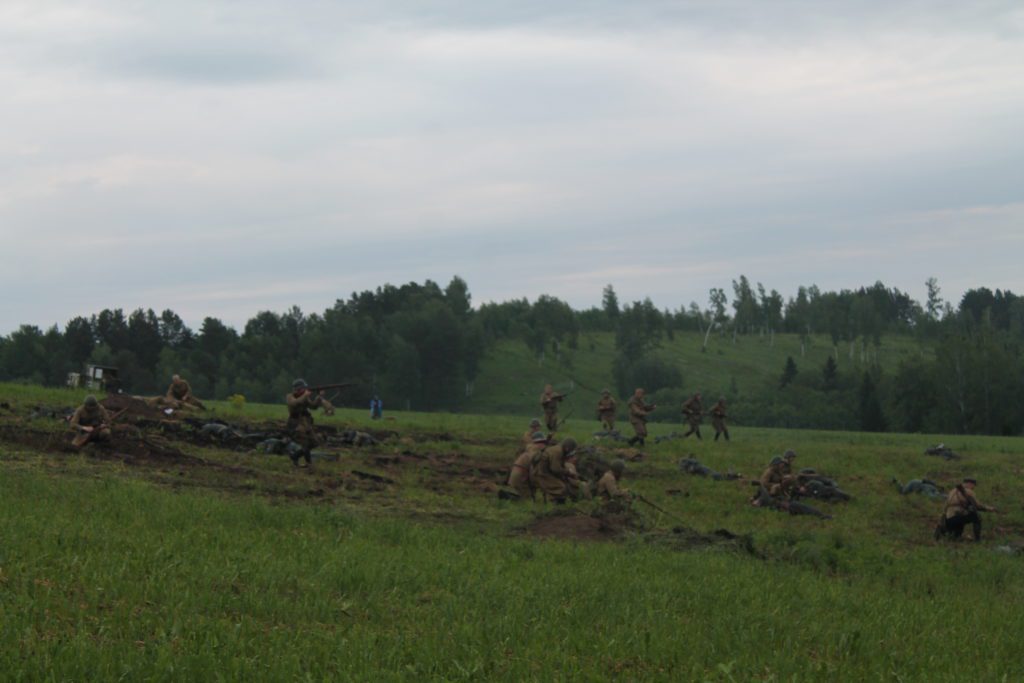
{"x":614,"y":435}
{"x":693,"y":466}
{"x":763,"y":499}
{"x":922,"y":486}
{"x":91,"y":423}
{"x":942,"y":451}
{"x":352,"y":437}
{"x":814,"y":485}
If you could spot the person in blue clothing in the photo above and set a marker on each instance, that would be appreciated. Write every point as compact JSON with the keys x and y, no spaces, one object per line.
{"x":376,"y":408}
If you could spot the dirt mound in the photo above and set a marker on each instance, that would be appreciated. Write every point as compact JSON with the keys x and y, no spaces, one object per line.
{"x":133,"y":407}
{"x":579,"y":527}
{"x":126,"y":444}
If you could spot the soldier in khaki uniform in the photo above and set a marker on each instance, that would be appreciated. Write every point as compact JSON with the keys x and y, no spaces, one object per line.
{"x":578,"y":488}
{"x":528,"y":435}
{"x":300,"y":419}
{"x":962,"y":508}
{"x":693,"y":413}
{"x":549,"y":401}
{"x":548,"y":472}
{"x":771,"y":479}
{"x":638,"y":411}
{"x":91,"y":422}
{"x":519,"y":477}
{"x":606,"y":411}
{"x":608,"y":488}
{"x":718,"y":417}
{"x":181,"y":391}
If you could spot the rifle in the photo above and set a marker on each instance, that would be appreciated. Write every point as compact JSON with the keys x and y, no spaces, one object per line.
{"x":325,"y":387}
{"x":86,"y":433}
{"x":660,"y":509}
{"x":562,"y":421}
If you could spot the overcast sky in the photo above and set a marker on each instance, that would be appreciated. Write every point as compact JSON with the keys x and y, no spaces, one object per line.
{"x":221,"y":158}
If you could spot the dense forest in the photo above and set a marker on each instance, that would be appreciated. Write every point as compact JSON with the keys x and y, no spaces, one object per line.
{"x":425,"y":343}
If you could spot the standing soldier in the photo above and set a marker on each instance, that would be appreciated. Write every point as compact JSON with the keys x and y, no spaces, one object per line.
{"x":962,"y":508}
{"x":549,"y":473}
{"x":91,"y":422}
{"x":300,"y":420}
{"x":638,"y":411}
{"x":549,"y":401}
{"x":718,"y":419}
{"x":606,"y":411}
{"x":693,"y":413}
{"x":181,"y":391}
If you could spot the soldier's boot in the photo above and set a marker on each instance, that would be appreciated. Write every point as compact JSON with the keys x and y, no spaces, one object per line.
{"x":294,"y":458}
{"x":632,"y":441}
{"x":726,"y":432}
{"x":717,"y":434}
{"x":308,"y":457}
{"x":697,"y":432}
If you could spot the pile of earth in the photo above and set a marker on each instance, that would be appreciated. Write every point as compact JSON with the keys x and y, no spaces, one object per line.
{"x":133,"y":407}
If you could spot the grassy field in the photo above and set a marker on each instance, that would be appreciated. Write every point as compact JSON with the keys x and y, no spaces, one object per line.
{"x":511,"y":377}
{"x":167,"y":558}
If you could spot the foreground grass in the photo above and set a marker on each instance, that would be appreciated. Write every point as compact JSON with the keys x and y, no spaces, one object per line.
{"x":115,"y":579}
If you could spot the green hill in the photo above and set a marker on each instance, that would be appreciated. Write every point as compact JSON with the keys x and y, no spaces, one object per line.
{"x":511,"y":377}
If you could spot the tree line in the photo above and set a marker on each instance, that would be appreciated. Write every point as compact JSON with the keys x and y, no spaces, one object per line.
{"x":421,"y":346}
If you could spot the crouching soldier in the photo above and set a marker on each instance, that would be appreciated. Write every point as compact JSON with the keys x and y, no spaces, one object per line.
{"x":608,"y":489}
{"x":962,"y":508}
{"x":548,"y":472}
{"x":519,"y":477}
{"x":300,"y":420}
{"x":91,"y":422}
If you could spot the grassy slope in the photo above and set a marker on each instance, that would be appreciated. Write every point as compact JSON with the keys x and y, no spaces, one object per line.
{"x":109,"y":570}
{"x":511,"y":378}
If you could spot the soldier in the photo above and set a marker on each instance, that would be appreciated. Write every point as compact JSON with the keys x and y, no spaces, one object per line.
{"x":962,"y":508}
{"x":771,"y":478}
{"x":549,"y":401}
{"x":693,"y":413}
{"x":606,"y":411}
{"x":608,"y":488}
{"x":718,"y":417}
{"x":300,"y":420}
{"x":528,"y":436}
{"x":519,"y":477}
{"x":548,"y":472}
{"x":181,"y":391}
{"x":693,"y":466}
{"x":787,"y":461}
{"x":923,"y":486}
{"x":578,"y":488}
{"x":763,"y":499}
{"x":638,"y":411}
{"x":91,"y":422}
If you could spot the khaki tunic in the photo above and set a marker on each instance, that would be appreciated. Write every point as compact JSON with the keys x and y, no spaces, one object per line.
{"x":771,"y":477}
{"x":638,"y":411}
{"x":549,"y":474}
{"x":718,"y":417}
{"x":549,"y":403}
{"x":606,"y":413}
{"x":608,"y":487}
{"x":519,"y":477}
{"x":578,"y":488}
{"x":90,"y":417}
{"x":692,"y":411}
{"x":960,"y":500}
{"x":180,"y":390}
{"x":300,"y":420}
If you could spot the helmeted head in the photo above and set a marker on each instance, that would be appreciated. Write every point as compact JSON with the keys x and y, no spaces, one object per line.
{"x":721,"y":400}
{"x":639,"y":392}
{"x":534,"y":424}
{"x":175,"y":378}
{"x":789,"y":455}
{"x":776,"y":461}
{"x":568,"y":445}
{"x":548,"y":388}
{"x":618,"y":466}
{"x":605,"y":392}
{"x":538,"y":437}
{"x":91,"y":402}
{"x":970,"y":482}
{"x":299,"y":385}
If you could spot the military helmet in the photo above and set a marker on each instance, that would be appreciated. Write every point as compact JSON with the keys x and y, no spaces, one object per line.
{"x":789,"y":454}
{"x":91,"y":401}
{"x":605,"y":392}
{"x":299,"y":384}
{"x":776,"y":461}
{"x":618,"y":466}
{"x":970,"y":480}
{"x":538,"y":436}
{"x":535,"y":422}
{"x":568,"y":444}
